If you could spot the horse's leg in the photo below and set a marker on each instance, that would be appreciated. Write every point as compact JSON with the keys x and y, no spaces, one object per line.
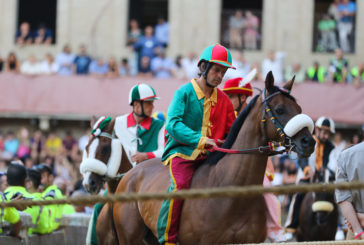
{"x":104,"y":228}
{"x":129,"y":224}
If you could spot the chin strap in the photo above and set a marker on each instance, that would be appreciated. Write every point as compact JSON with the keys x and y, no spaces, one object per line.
{"x":142,"y":114}
{"x":240,"y":104}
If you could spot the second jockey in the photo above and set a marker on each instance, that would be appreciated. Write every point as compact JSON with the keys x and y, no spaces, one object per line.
{"x":238,"y":95}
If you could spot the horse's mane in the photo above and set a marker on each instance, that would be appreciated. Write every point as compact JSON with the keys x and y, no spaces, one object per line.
{"x":214,"y":157}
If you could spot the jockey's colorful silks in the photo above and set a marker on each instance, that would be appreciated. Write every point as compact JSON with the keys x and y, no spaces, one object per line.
{"x":191,"y":119}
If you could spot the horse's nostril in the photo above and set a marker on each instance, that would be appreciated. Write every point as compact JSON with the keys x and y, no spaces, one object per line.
{"x":307,"y":141}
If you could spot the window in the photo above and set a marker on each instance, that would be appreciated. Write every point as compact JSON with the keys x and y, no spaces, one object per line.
{"x":241,"y":24}
{"x":144,"y":13}
{"x":334,"y":25}
{"x":36,"y":22}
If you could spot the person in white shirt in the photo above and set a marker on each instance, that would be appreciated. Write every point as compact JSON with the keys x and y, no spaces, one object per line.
{"x":189,"y":65}
{"x":48,"y":66}
{"x":30,"y":66}
{"x":274,"y":63}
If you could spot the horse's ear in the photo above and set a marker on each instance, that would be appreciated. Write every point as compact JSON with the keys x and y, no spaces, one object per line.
{"x":269,"y":82}
{"x":93,"y":121}
{"x":289,"y":84}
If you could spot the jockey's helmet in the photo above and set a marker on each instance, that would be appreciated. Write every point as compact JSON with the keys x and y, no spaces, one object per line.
{"x":217,"y":54}
{"x":232,"y":87}
{"x":142,"y":92}
{"x":326,"y":123}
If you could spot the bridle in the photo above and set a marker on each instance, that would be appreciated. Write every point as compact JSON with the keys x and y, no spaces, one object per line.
{"x":273,"y":147}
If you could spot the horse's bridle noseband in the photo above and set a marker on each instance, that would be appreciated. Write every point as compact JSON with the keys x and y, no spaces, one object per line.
{"x":286,"y":141}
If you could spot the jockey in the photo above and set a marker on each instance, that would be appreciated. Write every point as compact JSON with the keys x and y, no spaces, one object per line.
{"x":237,"y":95}
{"x":320,"y":159}
{"x":141,"y":135}
{"x":199,"y":117}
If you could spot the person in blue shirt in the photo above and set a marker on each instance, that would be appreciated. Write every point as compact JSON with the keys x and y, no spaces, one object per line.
{"x":11,"y":144}
{"x":43,"y":35}
{"x":98,"y":67}
{"x":146,"y":45}
{"x":82,"y":61}
{"x":162,"y":66}
{"x":162,"y":32}
{"x":347,"y":10}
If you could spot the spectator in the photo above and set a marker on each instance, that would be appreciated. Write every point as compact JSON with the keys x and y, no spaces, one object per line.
{"x":37,"y":145}
{"x":1,"y":64}
{"x":65,"y":61}
{"x":357,"y":74}
{"x":124,"y":69}
{"x":12,"y":64}
{"x":113,"y":69}
{"x":189,"y":65}
{"x":251,"y":26}
{"x":146,"y":44}
{"x":236,"y":25}
{"x":53,"y":145}
{"x":24,"y":144}
{"x":295,"y":70}
{"x":162,"y":66}
{"x":43,"y":35}
{"x":326,"y":27}
{"x":242,"y":67}
{"x":82,"y":61}
{"x":350,"y":169}
{"x":316,"y":73}
{"x":69,"y":144}
{"x":338,"y":67}
{"x":179,"y":71}
{"x":258,"y":76}
{"x":83,"y":140}
{"x":98,"y":68}
{"x":355,"y":139}
{"x":30,"y":66}
{"x":134,"y":33}
{"x":11,"y":144}
{"x":24,"y":36}
{"x":48,"y":66}
{"x":333,"y":10}
{"x":145,"y":70}
{"x":347,"y":11}
{"x":274,"y":63}
{"x":3,"y":180}
{"x":290,"y":172}
{"x":339,"y":145}
{"x":162,"y":32}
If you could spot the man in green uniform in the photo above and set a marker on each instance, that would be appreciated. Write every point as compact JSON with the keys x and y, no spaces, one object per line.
{"x":17,"y":174}
{"x":52,"y":192}
{"x":11,"y":216}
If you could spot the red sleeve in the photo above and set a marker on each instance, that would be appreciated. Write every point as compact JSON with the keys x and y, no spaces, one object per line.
{"x":150,"y":155}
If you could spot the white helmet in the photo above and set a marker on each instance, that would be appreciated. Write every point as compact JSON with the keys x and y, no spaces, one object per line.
{"x":142,"y":92}
{"x":326,"y":123}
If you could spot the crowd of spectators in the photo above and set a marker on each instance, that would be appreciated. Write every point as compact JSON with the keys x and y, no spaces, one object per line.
{"x":63,"y":155}
{"x":336,"y":27}
{"x":26,"y":35}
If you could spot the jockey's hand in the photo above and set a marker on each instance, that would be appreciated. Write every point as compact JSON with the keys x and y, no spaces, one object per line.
{"x":139,"y":157}
{"x":210,"y":143}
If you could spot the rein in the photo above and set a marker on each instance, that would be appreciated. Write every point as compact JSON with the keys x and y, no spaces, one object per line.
{"x":273,"y":147}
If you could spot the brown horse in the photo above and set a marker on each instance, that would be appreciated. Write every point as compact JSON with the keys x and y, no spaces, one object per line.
{"x":99,"y":155}
{"x":318,"y":214}
{"x":219,"y":220}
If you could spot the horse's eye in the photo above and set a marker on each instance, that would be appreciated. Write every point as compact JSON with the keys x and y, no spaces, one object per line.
{"x":280,"y":111}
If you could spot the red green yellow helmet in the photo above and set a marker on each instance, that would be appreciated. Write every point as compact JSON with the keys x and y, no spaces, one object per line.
{"x":217,"y":54}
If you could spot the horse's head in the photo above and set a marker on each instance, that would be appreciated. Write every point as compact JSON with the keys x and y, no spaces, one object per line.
{"x":102,"y":156}
{"x":282,"y":120}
